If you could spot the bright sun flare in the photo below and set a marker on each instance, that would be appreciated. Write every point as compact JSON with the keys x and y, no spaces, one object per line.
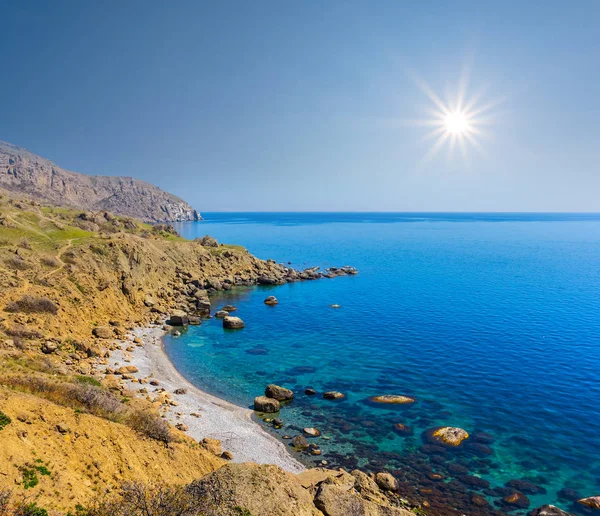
{"x":457,"y":122}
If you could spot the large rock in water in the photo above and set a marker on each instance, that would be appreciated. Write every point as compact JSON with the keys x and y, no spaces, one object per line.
{"x":264,"y":404}
{"x":392,"y":399}
{"x":592,"y":501}
{"x":278,"y":393}
{"x":448,"y":435}
{"x":232,"y":323}
{"x":271,"y":300}
{"x":259,"y":489}
{"x":548,"y":510}
{"x":178,"y":318}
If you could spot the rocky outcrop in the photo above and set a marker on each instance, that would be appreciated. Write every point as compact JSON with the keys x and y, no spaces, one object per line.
{"x":592,"y":501}
{"x":279,"y":393}
{"x":24,"y":172}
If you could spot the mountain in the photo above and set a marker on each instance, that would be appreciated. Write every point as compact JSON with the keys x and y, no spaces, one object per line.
{"x":24,"y":172}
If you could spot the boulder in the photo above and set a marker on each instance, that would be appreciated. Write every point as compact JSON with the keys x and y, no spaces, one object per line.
{"x":180,"y":391}
{"x":128,"y":369}
{"x":227,"y":455}
{"x":49,"y":347}
{"x":103,"y":332}
{"x":229,"y":308}
{"x":232,"y":323}
{"x":208,"y":241}
{"x":310,"y":391}
{"x":592,"y":501}
{"x":178,"y":318}
{"x":264,"y":404}
{"x":212,"y":445}
{"x":258,"y":489}
{"x":392,"y":399}
{"x":333,"y":395}
{"x":194,"y":320}
{"x":271,"y":301}
{"x":278,"y":393}
{"x":516,"y":500}
{"x":448,"y":435}
{"x":221,"y":314}
{"x":386,"y":482}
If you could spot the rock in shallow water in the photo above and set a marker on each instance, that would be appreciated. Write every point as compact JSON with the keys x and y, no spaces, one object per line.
{"x":271,"y":301}
{"x":264,"y":404}
{"x":221,"y":314}
{"x":232,"y":323}
{"x":313,"y":432}
{"x":448,"y":435}
{"x":592,"y":501}
{"x":548,"y":510}
{"x":333,"y":395}
{"x":279,"y":393}
{"x":392,"y":399}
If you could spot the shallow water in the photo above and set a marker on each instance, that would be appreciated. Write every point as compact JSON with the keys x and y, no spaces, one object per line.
{"x":491,"y":321}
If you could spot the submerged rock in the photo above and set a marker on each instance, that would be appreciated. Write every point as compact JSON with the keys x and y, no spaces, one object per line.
{"x":233,"y":323}
{"x":448,"y":435}
{"x":264,"y":404}
{"x":279,"y":393}
{"x":300,"y":442}
{"x":392,"y":399}
{"x":516,"y":499}
{"x":403,"y":429}
{"x":271,"y":301}
{"x":310,"y":391}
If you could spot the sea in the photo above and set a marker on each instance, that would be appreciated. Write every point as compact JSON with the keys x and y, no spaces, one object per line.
{"x":491,"y":321}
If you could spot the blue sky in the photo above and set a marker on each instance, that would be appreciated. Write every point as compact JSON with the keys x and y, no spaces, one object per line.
{"x":284,"y":106}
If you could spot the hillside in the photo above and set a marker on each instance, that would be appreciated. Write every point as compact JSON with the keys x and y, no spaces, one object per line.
{"x":23,"y":172}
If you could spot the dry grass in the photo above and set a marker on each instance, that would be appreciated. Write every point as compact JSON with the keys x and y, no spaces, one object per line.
{"x":33,"y":305}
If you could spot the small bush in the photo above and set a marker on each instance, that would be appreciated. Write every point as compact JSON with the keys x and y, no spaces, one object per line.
{"x":49,"y":261}
{"x":5,"y":496}
{"x":4,"y":421}
{"x":88,"y":380}
{"x":30,"y":509}
{"x":137,"y":499}
{"x":24,"y":244}
{"x":32,"y":304}
{"x":16,"y":262}
{"x":23,"y":332}
{"x":147,"y":423}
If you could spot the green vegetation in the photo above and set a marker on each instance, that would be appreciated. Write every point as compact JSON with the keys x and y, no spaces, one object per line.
{"x":29,"y":473}
{"x":88,"y":380}
{"x":4,"y":420}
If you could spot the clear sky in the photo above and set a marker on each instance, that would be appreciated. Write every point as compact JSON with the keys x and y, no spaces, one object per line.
{"x":294,"y":106}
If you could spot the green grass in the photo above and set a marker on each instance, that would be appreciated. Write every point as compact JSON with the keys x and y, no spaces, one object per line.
{"x":4,"y":420}
{"x":88,"y":380}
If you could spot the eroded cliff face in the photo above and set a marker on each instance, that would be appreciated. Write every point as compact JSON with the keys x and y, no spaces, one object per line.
{"x":24,"y":172}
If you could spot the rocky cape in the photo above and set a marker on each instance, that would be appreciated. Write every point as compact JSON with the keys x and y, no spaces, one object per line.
{"x":24,"y":172}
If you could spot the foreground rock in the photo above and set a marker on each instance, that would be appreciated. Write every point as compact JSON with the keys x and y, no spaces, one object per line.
{"x":448,"y":435}
{"x":279,"y":393}
{"x":268,"y":405}
{"x":592,"y":501}
{"x":257,"y":489}
{"x":232,"y":323}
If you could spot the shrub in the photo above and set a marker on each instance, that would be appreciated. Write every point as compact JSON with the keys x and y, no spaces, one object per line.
{"x":88,"y":380}
{"x":30,"y":509}
{"x":147,"y":423}
{"x":49,"y":261}
{"x":16,"y":262}
{"x":137,"y":499}
{"x":31,"y":304}
{"x":5,"y":496}
{"x":23,"y":332}
{"x":4,"y":421}
{"x":24,"y":243}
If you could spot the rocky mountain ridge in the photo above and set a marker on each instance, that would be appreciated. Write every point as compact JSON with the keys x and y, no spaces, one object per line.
{"x":26,"y":173}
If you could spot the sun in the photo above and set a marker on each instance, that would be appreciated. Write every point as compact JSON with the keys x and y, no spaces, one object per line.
{"x":459,"y":121}
{"x":456,"y":123}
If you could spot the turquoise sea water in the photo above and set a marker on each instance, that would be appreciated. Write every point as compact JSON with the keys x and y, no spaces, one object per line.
{"x":492,"y":321}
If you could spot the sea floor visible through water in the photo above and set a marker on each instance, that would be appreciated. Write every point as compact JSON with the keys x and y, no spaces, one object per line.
{"x":492,"y":322}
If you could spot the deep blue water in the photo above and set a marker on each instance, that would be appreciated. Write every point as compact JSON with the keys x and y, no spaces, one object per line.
{"x":492,"y":321}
